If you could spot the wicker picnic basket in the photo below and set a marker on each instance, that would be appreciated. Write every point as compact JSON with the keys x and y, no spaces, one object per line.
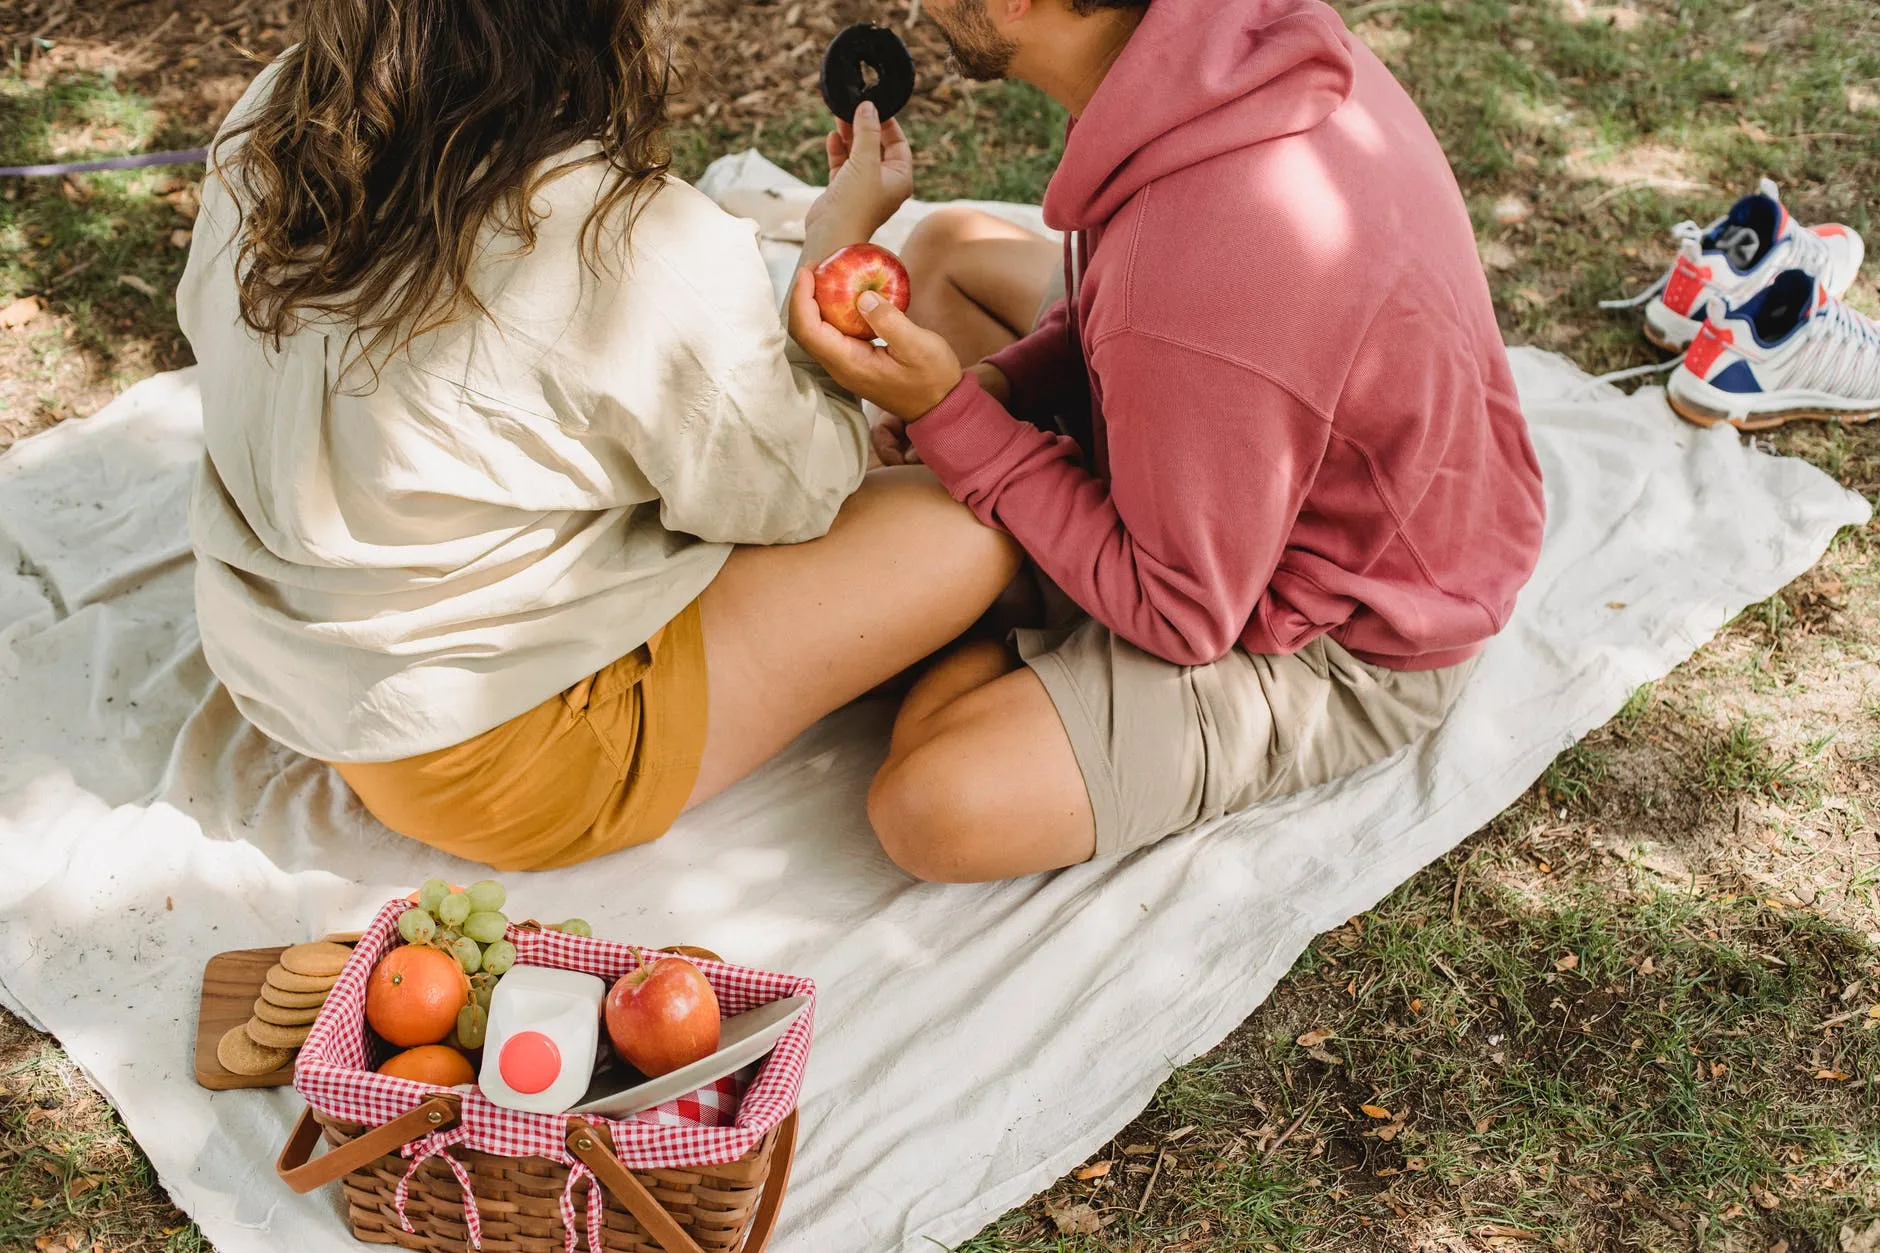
{"x":437,"y":1169}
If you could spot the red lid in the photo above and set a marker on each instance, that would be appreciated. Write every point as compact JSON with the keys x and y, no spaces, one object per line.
{"x":530,"y":1062}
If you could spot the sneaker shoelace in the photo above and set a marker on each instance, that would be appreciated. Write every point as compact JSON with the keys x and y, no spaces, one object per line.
{"x":1811,"y":254}
{"x":1685,"y":232}
{"x":1842,"y":355}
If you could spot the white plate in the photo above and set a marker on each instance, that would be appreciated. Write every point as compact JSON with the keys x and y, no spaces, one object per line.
{"x":741,"y":1040}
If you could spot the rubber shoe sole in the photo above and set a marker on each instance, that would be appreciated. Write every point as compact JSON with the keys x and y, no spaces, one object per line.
{"x":1700,"y":404}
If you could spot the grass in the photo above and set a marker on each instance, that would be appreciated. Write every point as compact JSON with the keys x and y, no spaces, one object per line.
{"x":1611,"y":1020}
{"x":1607,"y":1063}
{"x":102,"y":249}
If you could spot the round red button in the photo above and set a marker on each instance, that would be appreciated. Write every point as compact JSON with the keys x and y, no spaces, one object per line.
{"x":530,"y":1062}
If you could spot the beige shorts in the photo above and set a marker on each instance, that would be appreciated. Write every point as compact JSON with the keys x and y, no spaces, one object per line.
{"x":1164,"y":748}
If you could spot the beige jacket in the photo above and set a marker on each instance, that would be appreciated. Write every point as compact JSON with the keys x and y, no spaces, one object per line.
{"x":386,"y":570}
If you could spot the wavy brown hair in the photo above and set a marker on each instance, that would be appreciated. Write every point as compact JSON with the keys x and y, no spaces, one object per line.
{"x":397,"y":130}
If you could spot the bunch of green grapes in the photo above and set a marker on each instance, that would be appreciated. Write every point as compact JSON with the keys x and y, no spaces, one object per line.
{"x":469,"y":924}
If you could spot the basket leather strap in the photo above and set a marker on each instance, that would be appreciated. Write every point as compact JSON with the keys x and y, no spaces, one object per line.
{"x":775,"y":1184}
{"x":595,"y":1148}
{"x":304,"y":1175}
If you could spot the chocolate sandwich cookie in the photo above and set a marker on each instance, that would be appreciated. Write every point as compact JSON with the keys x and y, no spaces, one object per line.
{"x":866,"y":62}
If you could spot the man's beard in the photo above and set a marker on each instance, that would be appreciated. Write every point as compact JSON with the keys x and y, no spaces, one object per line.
{"x":983,"y":54}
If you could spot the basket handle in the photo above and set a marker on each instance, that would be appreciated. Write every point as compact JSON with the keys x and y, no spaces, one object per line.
{"x":595,"y":1148}
{"x":303,"y":1175}
{"x":775,"y":1184}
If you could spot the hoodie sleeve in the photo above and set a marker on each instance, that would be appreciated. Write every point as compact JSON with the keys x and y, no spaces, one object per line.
{"x":1045,"y":369}
{"x":1210,"y":466}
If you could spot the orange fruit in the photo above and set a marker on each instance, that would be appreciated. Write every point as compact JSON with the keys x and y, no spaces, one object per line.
{"x":414,"y":994}
{"x":431,"y":1063}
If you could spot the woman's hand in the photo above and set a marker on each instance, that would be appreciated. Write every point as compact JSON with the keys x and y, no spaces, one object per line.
{"x":913,"y":373}
{"x":871,"y":174}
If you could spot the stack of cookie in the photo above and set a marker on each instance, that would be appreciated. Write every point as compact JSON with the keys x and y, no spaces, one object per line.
{"x":290,"y":1000}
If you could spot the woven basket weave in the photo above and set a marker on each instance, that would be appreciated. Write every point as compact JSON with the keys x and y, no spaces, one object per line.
{"x":716,"y":1207}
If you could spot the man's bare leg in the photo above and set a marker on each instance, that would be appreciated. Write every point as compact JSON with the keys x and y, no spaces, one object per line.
{"x":794,"y":632}
{"x":977,"y":280}
{"x":980,"y":782}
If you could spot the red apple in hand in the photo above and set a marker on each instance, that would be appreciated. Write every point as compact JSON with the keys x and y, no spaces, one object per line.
{"x":846,"y":274}
{"x":662,"y":1016}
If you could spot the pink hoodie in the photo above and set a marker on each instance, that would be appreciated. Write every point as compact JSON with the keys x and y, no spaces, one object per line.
{"x":1301,"y":418}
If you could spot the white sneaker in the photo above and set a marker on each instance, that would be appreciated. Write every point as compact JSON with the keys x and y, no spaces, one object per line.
{"x":1793,"y":350}
{"x":1737,"y":256}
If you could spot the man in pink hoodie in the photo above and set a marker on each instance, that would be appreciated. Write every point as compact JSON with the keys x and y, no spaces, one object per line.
{"x":1267,"y":439}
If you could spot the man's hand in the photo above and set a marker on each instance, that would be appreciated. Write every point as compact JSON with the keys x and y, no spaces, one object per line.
{"x":908,"y":377}
{"x":871,"y":174}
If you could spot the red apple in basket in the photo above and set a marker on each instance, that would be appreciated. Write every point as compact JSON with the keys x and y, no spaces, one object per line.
{"x":846,"y":274}
{"x":662,"y":1016}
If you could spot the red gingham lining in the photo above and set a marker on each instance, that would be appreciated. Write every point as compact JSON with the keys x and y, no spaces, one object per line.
{"x":333,"y":1071}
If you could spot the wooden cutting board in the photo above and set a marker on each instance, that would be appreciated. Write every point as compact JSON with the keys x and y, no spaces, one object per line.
{"x":230,"y":984}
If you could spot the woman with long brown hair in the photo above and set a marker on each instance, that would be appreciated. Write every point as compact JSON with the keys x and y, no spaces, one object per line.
{"x":519,"y":507}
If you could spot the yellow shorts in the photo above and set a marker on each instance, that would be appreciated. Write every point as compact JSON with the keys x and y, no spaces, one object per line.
{"x":607,"y":764}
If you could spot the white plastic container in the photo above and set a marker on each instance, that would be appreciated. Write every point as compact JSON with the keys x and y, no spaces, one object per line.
{"x":543,"y":1037}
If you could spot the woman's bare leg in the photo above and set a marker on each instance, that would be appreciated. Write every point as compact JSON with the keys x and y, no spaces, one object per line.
{"x":794,"y":632}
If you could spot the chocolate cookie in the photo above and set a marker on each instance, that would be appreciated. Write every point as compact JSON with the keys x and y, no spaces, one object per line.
{"x":866,"y":62}
{"x":239,"y":1054}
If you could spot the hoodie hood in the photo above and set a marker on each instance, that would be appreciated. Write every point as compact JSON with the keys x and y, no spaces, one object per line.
{"x":1197,"y":79}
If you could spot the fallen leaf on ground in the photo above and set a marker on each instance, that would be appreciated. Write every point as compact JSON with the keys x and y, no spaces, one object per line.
{"x":1483,"y":1124}
{"x":1867,"y":1241}
{"x":1764,"y":1198}
{"x":1096,"y":1170}
{"x":1374,"y":1111}
{"x":1835,"y":1075}
{"x":1753,"y":131}
{"x":1646,"y":968}
{"x":1512,"y":209}
{"x":1073,"y":1220}
{"x":180,"y":238}
{"x":1389,"y":1131}
{"x":1416,"y":1163}
{"x":1506,"y":1233}
{"x":137,"y":284}
{"x":1569,"y":962}
{"x":1312,"y":1039}
{"x":20,"y":312}
{"x":1138,"y":1150}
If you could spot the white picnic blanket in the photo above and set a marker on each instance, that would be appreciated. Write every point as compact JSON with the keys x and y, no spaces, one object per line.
{"x":972,"y":1042}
